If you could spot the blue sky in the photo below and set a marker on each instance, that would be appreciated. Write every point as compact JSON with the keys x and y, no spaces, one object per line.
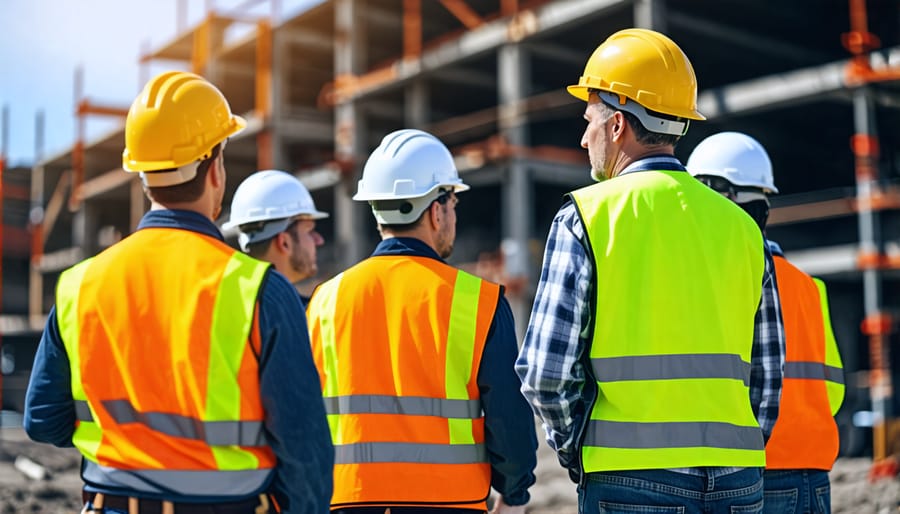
{"x":44,"y":41}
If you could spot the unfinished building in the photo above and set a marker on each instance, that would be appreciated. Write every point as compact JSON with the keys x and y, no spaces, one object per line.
{"x":816,"y":83}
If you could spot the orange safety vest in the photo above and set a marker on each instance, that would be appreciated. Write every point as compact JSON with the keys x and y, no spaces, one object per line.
{"x":805,"y":435}
{"x":157,"y":329}
{"x":398,"y":343}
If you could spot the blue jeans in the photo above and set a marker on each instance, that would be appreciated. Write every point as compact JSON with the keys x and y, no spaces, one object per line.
{"x":801,"y":491}
{"x":667,"y":492}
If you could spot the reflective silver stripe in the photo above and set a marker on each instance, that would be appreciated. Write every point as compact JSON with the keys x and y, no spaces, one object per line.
{"x":676,"y":434}
{"x":214,"y":433}
{"x":82,"y":411}
{"x":228,"y":433}
{"x":408,"y":405}
{"x":814,"y":370}
{"x":419,"y":453}
{"x":668,"y":367}
{"x":191,"y":483}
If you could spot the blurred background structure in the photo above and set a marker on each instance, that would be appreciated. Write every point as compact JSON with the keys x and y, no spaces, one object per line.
{"x":817,"y":83}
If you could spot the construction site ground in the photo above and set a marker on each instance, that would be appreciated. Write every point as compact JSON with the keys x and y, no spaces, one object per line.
{"x":58,"y":491}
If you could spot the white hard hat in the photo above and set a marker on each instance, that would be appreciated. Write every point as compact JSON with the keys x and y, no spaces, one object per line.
{"x":409,"y":165}
{"x":269,"y":196}
{"x":736,"y":157}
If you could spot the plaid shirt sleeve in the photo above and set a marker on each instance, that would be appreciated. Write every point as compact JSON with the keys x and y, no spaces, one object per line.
{"x":548,"y":363}
{"x":767,"y":358}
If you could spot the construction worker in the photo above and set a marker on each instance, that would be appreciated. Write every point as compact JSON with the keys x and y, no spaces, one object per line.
{"x":804,"y":442}
{"x":416,"y":357}
{"x":276,"y":218}
{"x":654,"y":349}
{"x":175,"y":364}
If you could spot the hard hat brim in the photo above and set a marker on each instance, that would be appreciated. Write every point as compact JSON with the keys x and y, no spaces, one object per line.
{"x":315,"y":215}
{"x":580,"y":92}
{"x":458,"y":187}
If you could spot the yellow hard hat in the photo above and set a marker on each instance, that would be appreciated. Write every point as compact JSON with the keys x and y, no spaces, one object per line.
{"x":646,"y":67}
{"x":176,"y":120}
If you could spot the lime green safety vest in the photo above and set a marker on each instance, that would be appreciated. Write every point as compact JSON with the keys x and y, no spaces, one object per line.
{"x":679,"y":272}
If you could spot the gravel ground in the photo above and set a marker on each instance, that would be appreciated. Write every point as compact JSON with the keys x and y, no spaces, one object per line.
{"x":59,"y":491}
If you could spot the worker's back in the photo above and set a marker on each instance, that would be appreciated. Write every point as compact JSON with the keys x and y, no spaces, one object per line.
{"x":398,"y":341}
{"x":185,"y":362}
{"x":805,"y":435}
{"x":679,"y":272}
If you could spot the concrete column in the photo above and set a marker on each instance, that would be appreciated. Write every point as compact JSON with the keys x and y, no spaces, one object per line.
{"x":350,"y":141}
{"x":279,"y":101}
{"x":417,"y":113}
{"x":216,"y":39}
{"x":36,"y":219}
{"x":871,"y":244}
{"x":514,"y":77}
{"x":650,"y":14}
{"x":84,"y":227}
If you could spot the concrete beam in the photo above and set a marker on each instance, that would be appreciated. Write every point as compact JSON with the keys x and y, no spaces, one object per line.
{"x":557,"y":53}
{"x":775,"y":91}
{"x":826,"y":261}
{"x":104,"y":182}
{"x":548,"y":18}
{"x":304,"y":129}
{"x":464,"y":77}
{"x":307,"y":39}
{"x":738,"y":36}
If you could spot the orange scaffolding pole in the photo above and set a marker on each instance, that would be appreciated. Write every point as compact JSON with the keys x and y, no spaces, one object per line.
{"x":878,"y":325}
{"x":412,"y":29}
{"x":263,"y":100}
{"x":84,"y":108}
{"x":3,"y":150}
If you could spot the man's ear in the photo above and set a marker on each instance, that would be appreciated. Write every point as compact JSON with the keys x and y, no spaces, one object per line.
{"x":618,"y":125}
{"x":215,"y":173}
{"x":434,"y":211}
{"x":281,"y":241}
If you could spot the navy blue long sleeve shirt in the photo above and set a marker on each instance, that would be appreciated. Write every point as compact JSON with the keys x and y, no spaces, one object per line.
{"x":295,"y":423}
{"x":509,"y":433}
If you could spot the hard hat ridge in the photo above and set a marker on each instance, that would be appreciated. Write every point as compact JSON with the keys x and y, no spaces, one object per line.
{"x":735,"y":157}
{"x":410,"y":165}
{"x":173,"y":124}
{"x":645,"y":67}
{"x":265,"y":204}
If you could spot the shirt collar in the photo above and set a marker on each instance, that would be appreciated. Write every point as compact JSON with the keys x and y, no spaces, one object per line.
{"x":180,"y":219}
{"x":775,"y":248}
{"x":654,"y":163}
{"x":405,"y":246}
